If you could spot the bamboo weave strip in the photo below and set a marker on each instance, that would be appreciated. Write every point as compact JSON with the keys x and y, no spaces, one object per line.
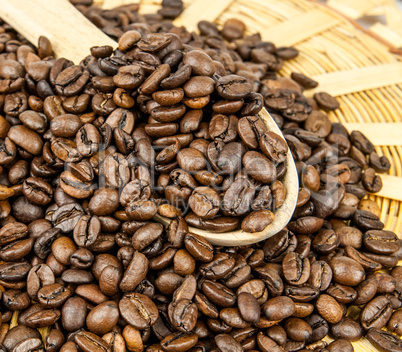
{"x":201,"y":10}
{"x":381,"y":133}
{"x":350,"y":81}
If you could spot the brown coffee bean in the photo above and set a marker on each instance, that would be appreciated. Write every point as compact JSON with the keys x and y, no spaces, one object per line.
{"x":88,"y":341}
{"x":259,"y":167}
{"x":376,"y":313}
{"x":278,"y":308}
{"x":198,"y":247}
{"x":326,"y":101}
{"x":248,"y":307}
{"x":257,"y":221}
{"x":138,"y":310}
{"x":179,"y":341}
{"x":346,"y":271}
{"x":74,"y":313}
{"x":347,"y":329}
{"x":297,"y":329}
{"x":103,"y":318}
{"x":135,"y":272}
{"x":329,"y":309}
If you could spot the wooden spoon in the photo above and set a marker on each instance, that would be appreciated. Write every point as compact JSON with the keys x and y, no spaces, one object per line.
{"x":72,"y":35}
{"x":282,"y":214}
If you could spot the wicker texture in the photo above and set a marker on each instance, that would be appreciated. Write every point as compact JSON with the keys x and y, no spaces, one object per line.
{"x":358,"y":66}
{"x":354,"y":66}
{"x":349,"y":63}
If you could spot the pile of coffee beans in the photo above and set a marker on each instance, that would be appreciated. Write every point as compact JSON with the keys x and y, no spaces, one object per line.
{"x":88,"y":152}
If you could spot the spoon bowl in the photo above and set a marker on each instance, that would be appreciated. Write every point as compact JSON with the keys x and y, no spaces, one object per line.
{"x":282,"y":215}
{"x":72,"y":36}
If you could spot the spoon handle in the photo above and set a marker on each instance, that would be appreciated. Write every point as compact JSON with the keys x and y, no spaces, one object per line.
{"x":70,"y":33}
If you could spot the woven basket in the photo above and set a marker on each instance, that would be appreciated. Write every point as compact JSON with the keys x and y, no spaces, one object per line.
{"x":362,"y":68}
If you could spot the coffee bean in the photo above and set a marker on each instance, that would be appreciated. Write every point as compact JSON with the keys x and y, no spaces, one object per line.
{"x":278,"y":308}
{"x":248,"y":307}
{"x":376,"y":313}
{"x":326,"y":101}
{"x":346,"y":271}
{"x":329,"y":309}
{"x":103,"y":318}
{"x":233,"y":87}
{"x":257,"y":221}
{"x":138,"y":310}
{"x":381,"y":242}
{"x":101,"y":155}
{"x":297,"y":329}
{"x":384,"y":340}
{"x":179,"y":341}
{"x":88,"y":341}
{"x":29,"y":344}
{"x":347,"y":329}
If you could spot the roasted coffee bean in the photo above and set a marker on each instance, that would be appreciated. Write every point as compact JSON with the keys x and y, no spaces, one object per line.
{"x":257,"y":221}
{"x":233,"y":87}
{"x":226,"y":343}
{"x":138,"y":310}
{"x":220,"y":265}
{"x":320,"y":275}
{"x":329,"y":309}
{"x":66,"y":217}
{"x":198,"y":247}
{"x":87,"y":230}
{"x":42,"y":318}
{"x":273,"y":146}
{"x":256,"y":288}
{"x":383,"y":340}
{"x":346,"y":271}
{"x":278,"y":308}
{"x":259,"y":167}
{"x":376,"y":313}
{"x":11,"y":272}
{"x":29,"y":344}
{"x":326,"y":241}
{"x":101,"y":144}
{"x":218,"y":293}
{"x":297,"y":329}
{"x":248,"y":307}
{"x":103,"y":318}
{"x":12,"y":231}
{"x":179,"y":341}
{"x":74,"y":313}
{"x":295,"y":269}
{"x":381,"y":242}
{"x":365,"y":221}
{"x":17,"y":250}
{"x":365,"y":262}
{"x":326,"y":101}
{"x":347,"y":329}
{"x":26,"y":138}
{"x":18,"y":333}
{"x":88,"y":341}
{"x":237,"y":199}
{"x":306,"y":82}
{"x":53,"y":296}
{"x":340,"y":345}
{"x":135,"y":272}
{"x":39,"y":276}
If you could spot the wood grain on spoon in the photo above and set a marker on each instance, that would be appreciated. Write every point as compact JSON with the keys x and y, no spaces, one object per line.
{"x":72,"y":36}
{"x":70,"y":33}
